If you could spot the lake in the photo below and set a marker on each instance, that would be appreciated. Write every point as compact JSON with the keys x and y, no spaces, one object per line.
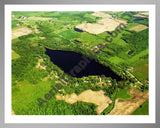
{"x":67,"y":60}
{"x":138,"y":19}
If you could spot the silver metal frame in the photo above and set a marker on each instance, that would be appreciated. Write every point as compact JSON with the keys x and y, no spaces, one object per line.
{"x":2,"y":65}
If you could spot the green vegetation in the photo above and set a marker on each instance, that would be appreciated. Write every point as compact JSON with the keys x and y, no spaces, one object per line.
{"x":130,"y":25}
{"x":15,"y":55}
{"x":143,"y":109}
{"x":141,"y":70}
{"x":70,"y":34}
{"x":123,"y":94}
{"x":15,"y":22}
{"x":139,"y":43}
{"x":30,"y":82}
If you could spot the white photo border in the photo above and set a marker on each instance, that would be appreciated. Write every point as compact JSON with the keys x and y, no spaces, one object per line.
{"x":80,"y":119}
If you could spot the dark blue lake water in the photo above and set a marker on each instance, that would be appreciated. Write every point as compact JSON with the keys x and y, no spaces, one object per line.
{"x":138,"y":19}
{"x":78,"y":30}
{"x":67,"y":60}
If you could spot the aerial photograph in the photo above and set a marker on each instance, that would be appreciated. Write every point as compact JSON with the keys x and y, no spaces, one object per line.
{"x":80,"y":63}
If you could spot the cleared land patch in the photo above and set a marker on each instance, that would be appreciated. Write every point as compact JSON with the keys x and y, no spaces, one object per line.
{"x":139,"y":28}
{"x":92,"y":28}
{"x":145,"y":13}
{"x":139,"y":15}
{"x":39,"y":66}
{"x":101,"y":14}
{"x":126,"y":107}
{"x":89,"y":96}
{"x":112,"y":23}
{"x":21,"y":32}
{"x":102,"y":25}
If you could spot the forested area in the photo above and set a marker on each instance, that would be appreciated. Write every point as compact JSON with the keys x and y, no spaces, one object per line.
{"x":138,"y":41}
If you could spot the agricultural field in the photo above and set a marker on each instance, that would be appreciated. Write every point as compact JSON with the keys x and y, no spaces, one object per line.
{"x":21,"y":32}
{"x":141,"y":70}
{"x":80,"y":63}
{"x":139,"y":28}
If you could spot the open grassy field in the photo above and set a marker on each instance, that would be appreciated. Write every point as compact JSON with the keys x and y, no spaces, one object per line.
{"x":70,"y":34}
{"x":141,"y":69}
{"x":137,"y":57}
{"x":123,"y":94}
{"x":90,"y":40}
{"x":130,"y":25}
{"x":143,"y":109}
{"x":116,"y":60}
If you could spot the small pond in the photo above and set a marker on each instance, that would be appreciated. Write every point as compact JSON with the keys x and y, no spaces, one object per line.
{"x":77,"y":41}
{"x":78,"y":30}
{"x":138,"y":19}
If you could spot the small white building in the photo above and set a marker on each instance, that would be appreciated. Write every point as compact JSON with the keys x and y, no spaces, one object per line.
{"x":17,"y":24}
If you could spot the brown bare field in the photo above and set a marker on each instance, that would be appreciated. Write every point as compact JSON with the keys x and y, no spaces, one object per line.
{"x":21,"y":32}
{"x":92,"y":28}
{"x":101,"y":14}
{"x":102,"y":25}
{"x":126,"y":107}
{"x":145,"y":13}
{"x":111,"y":24}
{"x":89,"y":96}
{"x":139,"y":15}
{"x":39,"y":66}
{"x":139,"y":28}
{"x":38,"y":18}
